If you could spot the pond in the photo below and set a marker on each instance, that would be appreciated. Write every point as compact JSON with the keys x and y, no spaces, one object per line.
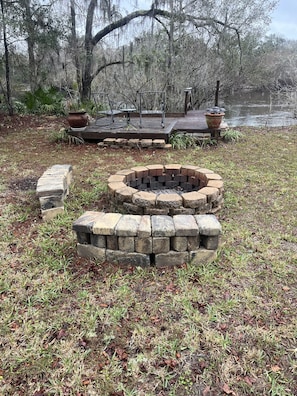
{"x":258,"y":109}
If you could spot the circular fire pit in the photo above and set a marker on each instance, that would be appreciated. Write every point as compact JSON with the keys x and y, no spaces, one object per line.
{"x":167,"y":189}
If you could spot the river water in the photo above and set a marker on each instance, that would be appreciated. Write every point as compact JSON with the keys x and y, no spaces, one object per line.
{"x":258,"y":109}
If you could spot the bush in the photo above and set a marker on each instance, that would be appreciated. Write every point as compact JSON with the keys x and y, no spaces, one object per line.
{"x":180,"y":140}
{"x":44,"y":101}
{"x":232,"y":135}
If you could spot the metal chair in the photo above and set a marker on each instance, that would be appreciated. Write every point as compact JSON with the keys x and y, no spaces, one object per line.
{"x":152,"y":103}
{"x":105,"y":109}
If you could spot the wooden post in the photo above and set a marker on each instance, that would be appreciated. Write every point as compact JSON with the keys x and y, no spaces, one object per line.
{"x":217,"y":93}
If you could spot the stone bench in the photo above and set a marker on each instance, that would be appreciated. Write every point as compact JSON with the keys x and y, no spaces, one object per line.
{"x":52,"y":189}
{"x":143,"y":240}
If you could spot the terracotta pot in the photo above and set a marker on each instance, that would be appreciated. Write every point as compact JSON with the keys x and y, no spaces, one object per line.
{"x":77,"y":119}
{"x":214,"y":120}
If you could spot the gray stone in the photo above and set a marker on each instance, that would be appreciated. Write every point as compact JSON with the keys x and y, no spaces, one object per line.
{"x":105,"y":225}
{"x":179,"y":243}
{"x":162,"y":226}
{"x":98,"y":241}
{"x":161,"y":244}
{"x":210,"y":242}
{"x":90,"y":251}
{"x":208,"y":225}
{"x":127,"y":259}
{"x":185,"y":225}
{"x":202,"y":256}
{"x":193,"y":242}
{"x":128,"y":225}
{"x":112,"y":242}
{"x":144,"y":245}
{"x":171,"y":258}
{"x":145,"y":228}
{"x":85,"y":222}
{"x":83,"y":238}
{"x":126,"y":243}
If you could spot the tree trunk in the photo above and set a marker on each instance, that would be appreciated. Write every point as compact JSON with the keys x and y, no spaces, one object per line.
{"x":7,"y":64}
{"x":74,"y":46}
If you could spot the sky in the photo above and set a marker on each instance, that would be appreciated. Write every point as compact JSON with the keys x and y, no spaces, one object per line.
{"x":284,"y":20}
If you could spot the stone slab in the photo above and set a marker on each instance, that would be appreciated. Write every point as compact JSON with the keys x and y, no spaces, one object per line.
{"x":106,"y":224}
{"x":49,"y":214}
{"x":162,"y":226}
{"x":127,"y":259}
{"x":90,"y":251}
{"x":85,"y":222}
{"x":145,"y":228}
{"x":171,"y":259}
{"x":202,"y":256}
{"x":208,"y":225}
{"x":128,"y":225}
{"x":161,"y":244}
{"x":185,"y":225}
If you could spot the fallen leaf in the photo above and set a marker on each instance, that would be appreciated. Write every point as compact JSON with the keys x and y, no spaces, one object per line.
{"x":227,"y":390}
{"x":275,"y":369}
{"x":286,"y":288}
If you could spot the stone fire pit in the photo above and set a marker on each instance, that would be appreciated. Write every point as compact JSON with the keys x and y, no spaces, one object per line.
{"x":167,"y":190}
{"x":168,"y":218}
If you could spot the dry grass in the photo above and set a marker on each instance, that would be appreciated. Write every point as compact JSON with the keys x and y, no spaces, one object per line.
{"x":72,"y":326}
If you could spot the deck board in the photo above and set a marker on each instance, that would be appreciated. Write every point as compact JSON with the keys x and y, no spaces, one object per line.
{"x":192,"y":122}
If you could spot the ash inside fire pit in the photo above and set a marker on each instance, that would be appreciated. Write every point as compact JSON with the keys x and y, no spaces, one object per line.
{"x":167,"y":189}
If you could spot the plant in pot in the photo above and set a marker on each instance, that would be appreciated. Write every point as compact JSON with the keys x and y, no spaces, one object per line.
{"x":77,"y":117}
{"x":214,"y":116}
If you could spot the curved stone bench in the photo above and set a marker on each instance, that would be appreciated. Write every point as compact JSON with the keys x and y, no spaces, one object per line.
{"x":143,"y":240}
{"x":52,"y":189}
{"x":167,"y":189}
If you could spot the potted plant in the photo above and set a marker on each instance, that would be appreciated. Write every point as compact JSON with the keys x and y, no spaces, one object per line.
{"x":77,"y":117}
{"x":214,"y":116}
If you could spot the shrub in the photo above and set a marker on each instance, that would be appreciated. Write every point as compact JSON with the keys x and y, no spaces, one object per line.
{"x":44,"y":101}
{"x":232,"y":135}
{"x":180,"y":140}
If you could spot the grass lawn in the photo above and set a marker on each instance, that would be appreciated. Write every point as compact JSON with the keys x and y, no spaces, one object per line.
{"x":74,"y":326}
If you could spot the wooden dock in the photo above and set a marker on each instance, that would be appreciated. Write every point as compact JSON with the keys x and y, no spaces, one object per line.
{"x":193,"y":122}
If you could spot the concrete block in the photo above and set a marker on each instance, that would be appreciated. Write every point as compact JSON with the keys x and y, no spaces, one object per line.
{"x":85,"y":222}
{"x":128,"y":259}
{"x":83,"y":238}
{"x":185,"y":225}
{"x":171,"y":259}
{"x":208,"y":225}
{"x":112,"y":242}
{"x":210,"y":242}
{"x":161,"y":244}
{"x":145,"y":228}
{"x":169,"y":200}
{"x":202,"y":256}
{"x":126,"y":244}
{"x":144,"y":245}
{"x":128,"y":225}
{"x":90,"y":251}
{"x":49,"y":214}
{"x":105,"y":224}
{"x":98,"y":241}
{"x":162,"y":226}
{"x":144,"y":199}
{"x":179,"y":243}
{"x":193,"y":243}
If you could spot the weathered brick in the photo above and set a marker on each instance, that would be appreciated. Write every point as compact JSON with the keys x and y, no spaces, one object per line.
{"x":208,"y":225}
{"x":202,"y":256}
{"x":126,"y":243}
{"x":155,"y":170}
{"x":144,"y":198}
{"x":179,"y":243}
{"x":127,"y":259}
{"x":193,"y":242}
{"x":172,"y":169}
{"x":161,"y":244}
{"x":169,"y":200}
{"x":219,"y":184}
{"x":90,"y":251}
{"x":105,"y":225}
{"x":185,"y":225}
{"x":125,"y":194}
{"x":128,"y":225}
{"x":85,"y":222}
{"x":210,"y":242}
{"x":112,"y":242}
{"x":98,"y":241}
{"x":156,"y":211}
{"x":145,"y":228}
{"x":144,"y":245}
{"x":211,"y":193}
{"x":193,"y":199}
{"x":49,"y":214}
{"x":84,"y":238}
{"x":128,"y":173}
{"x":188,"y":170}
{"x":140,"y":171}
{"x":116,"y":178}
{"x":171,"y":258}
{"x":114,"y":186}
{"x":162,"y":226}
{"x":131,"y":208}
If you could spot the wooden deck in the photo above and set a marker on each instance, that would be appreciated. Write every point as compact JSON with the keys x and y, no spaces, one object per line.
{"x":193,"y":122}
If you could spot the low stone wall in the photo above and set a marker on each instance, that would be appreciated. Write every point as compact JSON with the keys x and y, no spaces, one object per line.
{"x":135,"y":143}
{"x":167,"y":189}
{"x":143,"y":240}
{"x":52,"y":189}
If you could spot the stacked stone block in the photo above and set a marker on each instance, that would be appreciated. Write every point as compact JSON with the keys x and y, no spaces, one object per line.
{"x":144,"y":240}
{"x":52,"y":189}
{"x":167,"y":190}
{"x":135,"y":143}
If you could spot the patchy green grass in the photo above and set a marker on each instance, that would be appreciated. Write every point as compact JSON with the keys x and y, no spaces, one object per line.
{"x":73,"y":326}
